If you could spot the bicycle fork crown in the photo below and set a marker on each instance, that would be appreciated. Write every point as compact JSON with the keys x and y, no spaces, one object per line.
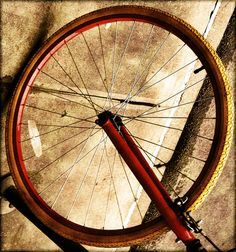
{"x":107,"y":115}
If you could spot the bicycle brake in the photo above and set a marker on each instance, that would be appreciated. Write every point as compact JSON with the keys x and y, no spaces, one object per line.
{"x":190,"y":222}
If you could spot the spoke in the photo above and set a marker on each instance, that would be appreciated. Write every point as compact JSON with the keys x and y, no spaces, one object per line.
{"x":113,"y":63}
{"x":181,"y":91}
{"x":64,"y":85}
{"x":54,"y":112}
{"x":126,"y":118}
{"x":83,"y":105}
{"x":172,"y":128}
{"x":86,"y":173}
{"x":165,"y":64}
{"x":49,"y":91}
{"x":90,"y":52}
{"x":172,"y":96}
{"x":78,"y":72}
{"x":148,"y":153}
{"x":142,"y":58}
{"x":69,"y":174}
{"x":75,"y":146}
{"x":58,"y":125}
{"x":158,"y":105}
{"x":131,"y":189}
{"x":67,"y":178}
{"x":145,"y":151}
{"x":183,"y":174}
{"x":159,"y":125}
{"x":137,"y":75}
{"x":123,"y":54}
{"x":113,"y":183}
{"x":73,"y":91}
{"x":148,"y":141}
{"x":122,"y":57}
{"x":53,"y":130}
{"x":56,"y":179}
{"x":167,"y":148}
{"x":179,"y":105}
{"x":109,"y":190}
{"x":180,"y":172}
{"x":67,"y":169}
{"x":151,"y":61}
{"x":129,"y":97}
{"x":54,"y":145}
{"x":95,"y":183}
{"x":63,"y":69}
{"x":119,"y":100}
{"x":103,"y":57}
{"x":61,"y":97}
{"x":144,"y":87}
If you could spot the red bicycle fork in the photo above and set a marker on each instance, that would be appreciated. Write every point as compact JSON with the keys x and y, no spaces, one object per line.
{"x":133,"y":157}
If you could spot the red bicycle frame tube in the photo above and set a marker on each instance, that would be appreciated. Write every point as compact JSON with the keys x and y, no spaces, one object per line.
{"x":144,"y":163}
{"x":146,"y":177}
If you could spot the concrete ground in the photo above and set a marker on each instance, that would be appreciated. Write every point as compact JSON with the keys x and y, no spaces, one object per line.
{"x":31,"y":23}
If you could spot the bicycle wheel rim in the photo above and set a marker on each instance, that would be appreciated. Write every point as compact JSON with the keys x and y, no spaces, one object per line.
{"x":222,"y":133}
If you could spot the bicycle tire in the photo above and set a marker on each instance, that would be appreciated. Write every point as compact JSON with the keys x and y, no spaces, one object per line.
{"x":212,"y":168}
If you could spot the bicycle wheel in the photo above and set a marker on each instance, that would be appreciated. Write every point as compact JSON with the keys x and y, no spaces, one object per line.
{"x":139,"y":64}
